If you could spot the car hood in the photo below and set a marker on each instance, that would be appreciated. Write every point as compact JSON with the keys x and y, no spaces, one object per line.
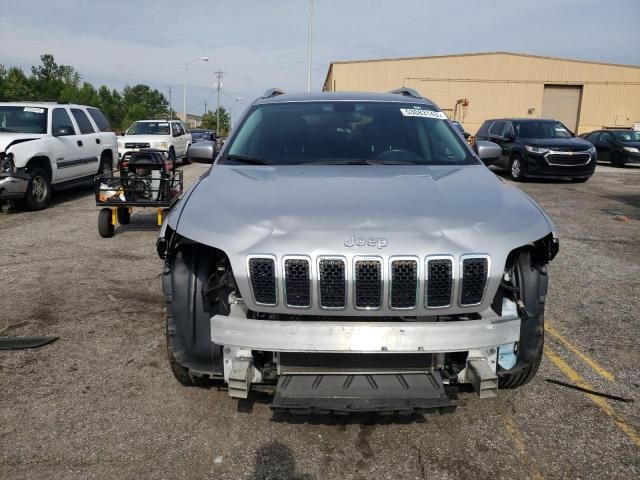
{"x":8,"y":138}
{"x":143,"y":138}
{"x":567,"y":144}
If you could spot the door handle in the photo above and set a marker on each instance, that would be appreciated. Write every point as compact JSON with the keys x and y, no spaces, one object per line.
{"x":80,"y":143}
{"x":98,"y":141}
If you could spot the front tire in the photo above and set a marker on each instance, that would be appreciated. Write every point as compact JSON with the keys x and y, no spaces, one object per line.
{"x":38,"y":195}
{"x":531,"y":279}
{"x":105,"y":227}
{"x":516,"y":169}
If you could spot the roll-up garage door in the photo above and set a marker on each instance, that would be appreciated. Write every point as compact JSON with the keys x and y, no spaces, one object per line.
{"x":562,"y":102}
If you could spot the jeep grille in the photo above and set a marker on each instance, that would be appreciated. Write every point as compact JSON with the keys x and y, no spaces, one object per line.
{"x":404,"y":283}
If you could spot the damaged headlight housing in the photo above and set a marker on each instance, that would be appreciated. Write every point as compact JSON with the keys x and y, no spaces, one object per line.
{"x":6,"y":163}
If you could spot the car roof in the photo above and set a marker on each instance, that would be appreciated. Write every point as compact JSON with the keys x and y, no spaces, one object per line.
{"x":43,"y":104}
{"x":157,"y":120}
{"x":343,"y":96}
{"x":537,"y":119}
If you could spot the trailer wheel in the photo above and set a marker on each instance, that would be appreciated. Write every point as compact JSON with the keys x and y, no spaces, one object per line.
{"x":124,"y":216}
{"x":105,"y":227}
{"x":532,"y":281}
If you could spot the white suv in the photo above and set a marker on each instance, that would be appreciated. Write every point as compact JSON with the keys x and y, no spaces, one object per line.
{"x":159,"y":134}
{"x":51,"y":146}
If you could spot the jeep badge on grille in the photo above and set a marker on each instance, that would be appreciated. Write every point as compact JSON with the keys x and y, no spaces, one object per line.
{"x":379,"y":242}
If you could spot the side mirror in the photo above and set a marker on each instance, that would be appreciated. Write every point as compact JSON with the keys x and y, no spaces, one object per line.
{"x":202,"y":152}
{"x":63,"y":131}
{"x":488,"y":152}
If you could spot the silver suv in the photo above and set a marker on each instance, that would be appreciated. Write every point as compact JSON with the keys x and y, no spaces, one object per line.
{"x":350,"y":252}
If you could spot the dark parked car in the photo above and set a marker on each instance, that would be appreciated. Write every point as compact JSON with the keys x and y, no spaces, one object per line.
{"x":199,"y":135}
{"x":616,"y":146}
{"x":540,"y":148}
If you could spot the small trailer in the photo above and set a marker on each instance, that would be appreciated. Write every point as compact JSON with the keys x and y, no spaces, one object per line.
{"x":144,"y":179}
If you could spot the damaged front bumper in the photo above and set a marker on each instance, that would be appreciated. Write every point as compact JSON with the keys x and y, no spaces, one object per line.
{"x":13,"y":185}
{"x":488,"y":341}
{"x":365,"y":337}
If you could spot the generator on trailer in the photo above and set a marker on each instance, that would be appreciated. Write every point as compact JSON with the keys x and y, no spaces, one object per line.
{"x":143,"y":179}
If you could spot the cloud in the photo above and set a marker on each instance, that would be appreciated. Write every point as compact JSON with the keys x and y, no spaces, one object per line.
{"x":263,"y":43}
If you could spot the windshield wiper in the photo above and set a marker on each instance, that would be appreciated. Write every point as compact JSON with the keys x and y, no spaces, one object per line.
{"x":248,"y":160}
{"x":336,"y":161}
{"x":390,"y":162}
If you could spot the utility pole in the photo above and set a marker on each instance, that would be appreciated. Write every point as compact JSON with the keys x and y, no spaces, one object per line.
{"x":205,"y":106}
{"x":310,"y":45}
{"x":170,"y":107}
{"x":219,"y":75}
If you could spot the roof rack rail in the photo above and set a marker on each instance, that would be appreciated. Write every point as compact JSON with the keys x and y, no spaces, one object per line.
{"x":407,"y":92}
{"x":272,"y":92}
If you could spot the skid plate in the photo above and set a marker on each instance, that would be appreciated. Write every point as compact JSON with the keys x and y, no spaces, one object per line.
{"x":361,"y":393}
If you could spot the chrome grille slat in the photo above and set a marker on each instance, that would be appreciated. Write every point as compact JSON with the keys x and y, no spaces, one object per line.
{"x":474,"y":275}
{"x":403,"y":293}
{"x":332,"y":276}
{"x":262,"y":273}
{"x":367,"y":283}
{"x":439,"y":281}
{"x":297,"y":282}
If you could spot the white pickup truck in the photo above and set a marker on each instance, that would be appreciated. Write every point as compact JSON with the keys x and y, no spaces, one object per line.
{"x":158,"y":134}
{"x":48,"y":146}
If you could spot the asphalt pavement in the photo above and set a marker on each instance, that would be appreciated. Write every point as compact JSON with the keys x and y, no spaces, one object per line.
{"x":102,"y":403}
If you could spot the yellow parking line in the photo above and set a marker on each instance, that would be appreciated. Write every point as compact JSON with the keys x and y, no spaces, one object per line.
{"x":518,"y":439}
{"x":576,"y":351}
{"x":576,"y":378}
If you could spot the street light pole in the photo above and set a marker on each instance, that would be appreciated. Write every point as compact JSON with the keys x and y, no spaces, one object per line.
{"x":233,"y":111}
{"x":310,"y":45}
{"x":184,"y":91}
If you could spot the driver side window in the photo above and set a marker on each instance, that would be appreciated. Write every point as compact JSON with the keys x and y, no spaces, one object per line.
{"x":605,"y":138}
{"x":60,"y":118}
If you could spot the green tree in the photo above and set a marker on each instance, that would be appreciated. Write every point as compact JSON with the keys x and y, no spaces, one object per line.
{"x":15,"y":85}
{"x":210,"y":119}
{"x":145,"y":99}
{"x":112,"y":105}
{"x":49,"y":78}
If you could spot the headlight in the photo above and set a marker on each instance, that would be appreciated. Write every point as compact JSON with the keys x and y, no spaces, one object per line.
{"x":538,"y":150}
{"x":160,"y":145}
{"x":631,"y":149}
{"x":6,"y":163}
{"x":592,"y":150}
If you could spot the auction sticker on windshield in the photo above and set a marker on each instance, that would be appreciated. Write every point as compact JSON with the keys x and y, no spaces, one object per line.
{"x":33,"y":110}
{"x":414,"y":112}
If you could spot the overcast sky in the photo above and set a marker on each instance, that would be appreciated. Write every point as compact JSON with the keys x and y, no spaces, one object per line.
{"x":263,"y":43}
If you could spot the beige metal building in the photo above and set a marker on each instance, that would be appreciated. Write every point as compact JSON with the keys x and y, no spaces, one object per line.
{"x":474,"y":87}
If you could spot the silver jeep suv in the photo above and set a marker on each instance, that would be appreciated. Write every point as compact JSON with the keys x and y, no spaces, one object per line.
{"x":350,"y":252}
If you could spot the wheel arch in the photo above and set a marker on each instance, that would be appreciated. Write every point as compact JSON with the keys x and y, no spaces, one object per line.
{"x":41,"y":161}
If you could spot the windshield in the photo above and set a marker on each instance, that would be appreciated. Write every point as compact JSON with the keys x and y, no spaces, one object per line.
{"x":23,"y":119}
{"x":339,"y":132}
{"x":149,"y":128}
{"x":542,"y":129}
{"x":630,"y":136}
